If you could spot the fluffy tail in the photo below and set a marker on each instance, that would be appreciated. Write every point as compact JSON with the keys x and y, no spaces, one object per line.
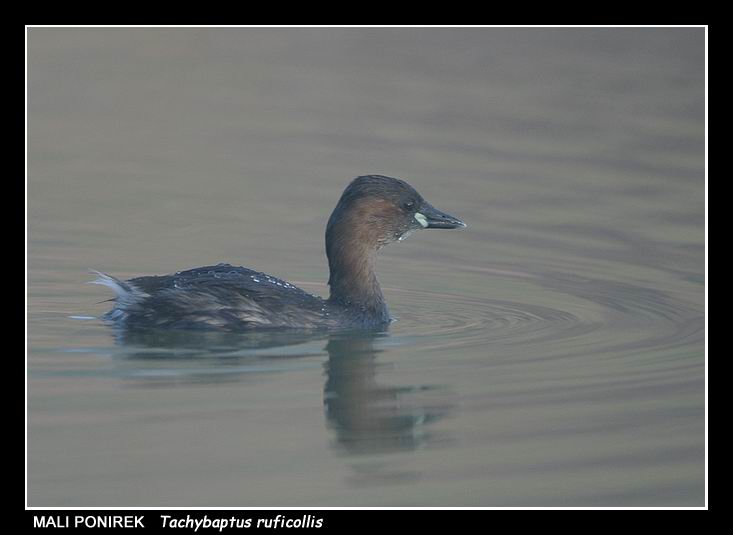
{"x":125,"y":293}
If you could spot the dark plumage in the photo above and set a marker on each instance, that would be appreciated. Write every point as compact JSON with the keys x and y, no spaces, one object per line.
{"x":373,"y":210}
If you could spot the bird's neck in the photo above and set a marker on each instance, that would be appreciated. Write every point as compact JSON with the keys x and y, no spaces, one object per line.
{"x":353,"y":282}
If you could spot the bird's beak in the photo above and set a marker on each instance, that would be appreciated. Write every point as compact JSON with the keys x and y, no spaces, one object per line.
{"x":430,"y":217}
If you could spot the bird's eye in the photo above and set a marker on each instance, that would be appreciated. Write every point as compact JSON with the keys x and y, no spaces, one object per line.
{"x":408,"y":205}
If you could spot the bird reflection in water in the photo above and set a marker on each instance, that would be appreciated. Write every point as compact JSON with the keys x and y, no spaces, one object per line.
{"x":368,"y":417}
{"x":364,"y":415}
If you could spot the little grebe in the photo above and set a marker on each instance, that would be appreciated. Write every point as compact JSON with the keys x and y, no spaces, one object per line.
{"x":373,"y":211}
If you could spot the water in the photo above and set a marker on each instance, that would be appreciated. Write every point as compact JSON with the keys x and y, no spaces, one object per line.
{"x":552,"y":354}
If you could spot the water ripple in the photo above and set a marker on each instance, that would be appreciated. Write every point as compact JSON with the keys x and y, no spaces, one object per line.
{"x":601,"y":315}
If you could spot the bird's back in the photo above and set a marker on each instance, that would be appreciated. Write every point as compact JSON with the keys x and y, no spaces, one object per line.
{"x":219,"y":297}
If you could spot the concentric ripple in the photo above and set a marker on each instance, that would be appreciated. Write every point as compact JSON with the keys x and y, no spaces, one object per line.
{"x":601,"y":315}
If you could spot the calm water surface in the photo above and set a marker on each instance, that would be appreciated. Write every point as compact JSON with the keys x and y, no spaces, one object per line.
{"x":552,"y":354}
